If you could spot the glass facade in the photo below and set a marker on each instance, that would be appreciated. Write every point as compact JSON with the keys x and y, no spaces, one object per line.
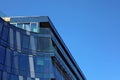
{"x":33,"y":56}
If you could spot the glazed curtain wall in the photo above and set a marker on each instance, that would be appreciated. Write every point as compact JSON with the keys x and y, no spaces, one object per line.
{"x":21,"y":54}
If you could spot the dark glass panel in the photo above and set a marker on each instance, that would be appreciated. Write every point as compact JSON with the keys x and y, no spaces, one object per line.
{"x":24,"y":65}
{"x":0,"y":75}
{"x":39,"y":64}
{"x":25,"y":43}
{"x":8,"y":60}
{"x":2,"y":54}
{"x":24,"y":78}
{"x":1,"y":66}
{"x":15,"y":63}
{"x":5,"y":33}
{"x":4,"y":76}
{"x":45,"y":79}
{"x":15,"y":40}
{"x":1,"y":25}
{"x":14,"y":77}
{"x":47,"y":67}
{"x":43,"y":44}
{"x":58,"y":74}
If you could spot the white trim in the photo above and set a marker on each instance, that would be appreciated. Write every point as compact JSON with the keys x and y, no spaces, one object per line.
{"x":31,"y":63}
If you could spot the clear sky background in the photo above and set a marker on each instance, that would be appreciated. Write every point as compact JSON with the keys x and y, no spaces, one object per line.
{"x":90,"y":29}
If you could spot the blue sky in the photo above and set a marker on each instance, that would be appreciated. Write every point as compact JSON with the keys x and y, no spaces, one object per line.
{"x":90,"y":29}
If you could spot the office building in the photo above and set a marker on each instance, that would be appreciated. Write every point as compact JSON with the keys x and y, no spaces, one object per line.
{"x":32,"y":49}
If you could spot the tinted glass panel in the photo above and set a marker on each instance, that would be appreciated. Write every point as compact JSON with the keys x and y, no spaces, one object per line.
{"x":8,"y":60}
{"x":15,"y":42}
{"x":34,"y":27}
{"x":1,"y":66}
{"x":20,"y":25}
{"x":24,"y":65}
{"x":5,"y":33}
{"x":15,"y":63}
{"x":39,"y":66}
{"x":18,"y":40}
{"x":25,"y":43}
{"x":0,"y":75}
{"x":1,"y":25}
{"x":11,"y":38}
{"x":13,"y":77}
{"x":44,"y":44}
{"x":27,"y":26}
{"x":2,"y":54}
{"x":33,"y":42}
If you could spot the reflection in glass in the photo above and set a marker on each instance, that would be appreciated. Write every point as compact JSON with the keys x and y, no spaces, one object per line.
{"x":34,"y":27}
{"x":27,"y":26}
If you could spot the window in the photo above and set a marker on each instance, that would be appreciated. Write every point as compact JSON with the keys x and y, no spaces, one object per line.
{"x":18,"y":41}
{"x":27,"y":26}
{"x":44,"y":44}
{"x":47,"y":66}
{"x":34,"y":27}
{"x":1,"y":25}
{"x":5,"y":33}
{"x":11,"y":39}
{"x":39,"y":65}
{"x":44,"y":25}
{"x":1,"y":66}
{"x":15,"y":63}
{"x":20,"y":25}
{"x":2,"y":54}
{"x":0,"y":75}
{"x":42,"y":65}
{"x":24,"y":65}
{"x":33,"y":42}
{"x":14,"y":77}
{"x":4,"y":76}
{"x":8,"y":60}
{"x":25,"y":43}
